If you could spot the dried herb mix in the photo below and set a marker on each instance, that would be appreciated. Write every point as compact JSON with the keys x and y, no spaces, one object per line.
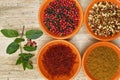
{"x":103,"y":63}
{"x":104,"y":19}
{"x":58,"y":60}
{"x":61,"y":17}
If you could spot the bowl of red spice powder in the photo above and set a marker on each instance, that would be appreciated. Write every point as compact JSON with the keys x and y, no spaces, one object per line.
{"x":101,"y":61}
{"x":59,"y":60}
{"x":102,"y":19}
{"x":60,"y":19}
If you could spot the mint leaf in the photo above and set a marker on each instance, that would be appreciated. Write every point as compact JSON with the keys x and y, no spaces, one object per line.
{"x":19,"y":40}
{"x":33,"y":34}
{"x":12,"y":48}
{"x":19,"y":61}
{"x":29,"y":65}
{"x":9,"y":33}
{"x":25,"y":60}
{"x":29,"y":48}
{"x":24,"y":65}
{"x":27,"y":56}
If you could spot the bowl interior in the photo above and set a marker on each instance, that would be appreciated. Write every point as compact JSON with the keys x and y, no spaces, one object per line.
{"x":108,"y":44}
{"x":87,"y":25}
{"x":42,"y":25}
{"x":76,"y":66}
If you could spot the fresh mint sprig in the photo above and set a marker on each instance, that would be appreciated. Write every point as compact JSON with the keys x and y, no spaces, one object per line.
{"x":24,"y":58}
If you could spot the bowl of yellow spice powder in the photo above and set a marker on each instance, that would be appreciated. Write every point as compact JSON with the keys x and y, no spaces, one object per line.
{"x":102,"y":19}
{"x":101,"y":61}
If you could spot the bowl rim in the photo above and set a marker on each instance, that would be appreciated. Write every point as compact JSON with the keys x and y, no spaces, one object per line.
{"x":59,"y":42}
{"x":117,"y":2}
{"x":87,"y":52}
{"x":45,"y":3}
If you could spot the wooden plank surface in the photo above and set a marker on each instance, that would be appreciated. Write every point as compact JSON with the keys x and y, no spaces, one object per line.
{"x":16,"y":13}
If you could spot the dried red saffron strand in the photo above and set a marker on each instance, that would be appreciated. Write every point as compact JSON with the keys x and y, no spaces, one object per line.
{"x":61,"y":17}
{"x":59,"y":60}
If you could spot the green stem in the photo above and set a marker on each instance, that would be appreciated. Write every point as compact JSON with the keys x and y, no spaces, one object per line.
{"x":21,"y":51}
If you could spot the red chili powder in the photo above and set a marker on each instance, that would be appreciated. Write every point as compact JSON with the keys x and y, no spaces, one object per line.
{"x":58,"y":60}
{"x":61,"y":17}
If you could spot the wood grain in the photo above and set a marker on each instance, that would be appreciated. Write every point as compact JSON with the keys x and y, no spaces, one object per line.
{"x":16,"y":13}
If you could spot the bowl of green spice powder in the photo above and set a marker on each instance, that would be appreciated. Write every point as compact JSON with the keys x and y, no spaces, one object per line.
{"x":101,"y":61}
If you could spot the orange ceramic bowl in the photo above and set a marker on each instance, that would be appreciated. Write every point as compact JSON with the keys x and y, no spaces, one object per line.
{"x":87,"y":52}
{"x":76,"y":66}
{"x":117,"y":2}
{"x":42,"y":25}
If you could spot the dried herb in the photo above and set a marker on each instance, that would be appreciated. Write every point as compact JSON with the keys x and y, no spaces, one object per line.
{"x":24,"y":58}
{"x":58,"y":60}
{"x":104,"y":19}
{"x":103,"y":63}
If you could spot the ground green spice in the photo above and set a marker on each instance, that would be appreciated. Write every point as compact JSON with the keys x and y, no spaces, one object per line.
{"x":102,"y":63}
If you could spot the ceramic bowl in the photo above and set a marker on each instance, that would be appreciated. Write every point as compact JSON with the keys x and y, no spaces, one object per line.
{"x":43,"y":71}
{"x":42,"y":25}
{"x":117,"y":2}
{"x":87,"y":52}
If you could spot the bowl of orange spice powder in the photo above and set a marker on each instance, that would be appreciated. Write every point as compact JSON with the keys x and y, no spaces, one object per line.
{"x":59,"y":60}
{"x":101,"y":61}
{"x":60,"y":19}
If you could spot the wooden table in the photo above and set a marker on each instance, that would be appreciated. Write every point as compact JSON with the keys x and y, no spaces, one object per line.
{"x":16,"y":13}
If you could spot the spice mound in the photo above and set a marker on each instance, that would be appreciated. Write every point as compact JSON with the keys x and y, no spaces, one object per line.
{"x":61,"y":17}
{"x":102,"y":63}
{"x":58,"y":60}
{"x":104,"y":19}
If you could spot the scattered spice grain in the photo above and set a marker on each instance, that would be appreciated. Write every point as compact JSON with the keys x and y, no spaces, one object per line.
{"x":104,"y":19}
{"x":58,"y":60}
{"x":103,"y":63}
{"x":61,"y":17}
